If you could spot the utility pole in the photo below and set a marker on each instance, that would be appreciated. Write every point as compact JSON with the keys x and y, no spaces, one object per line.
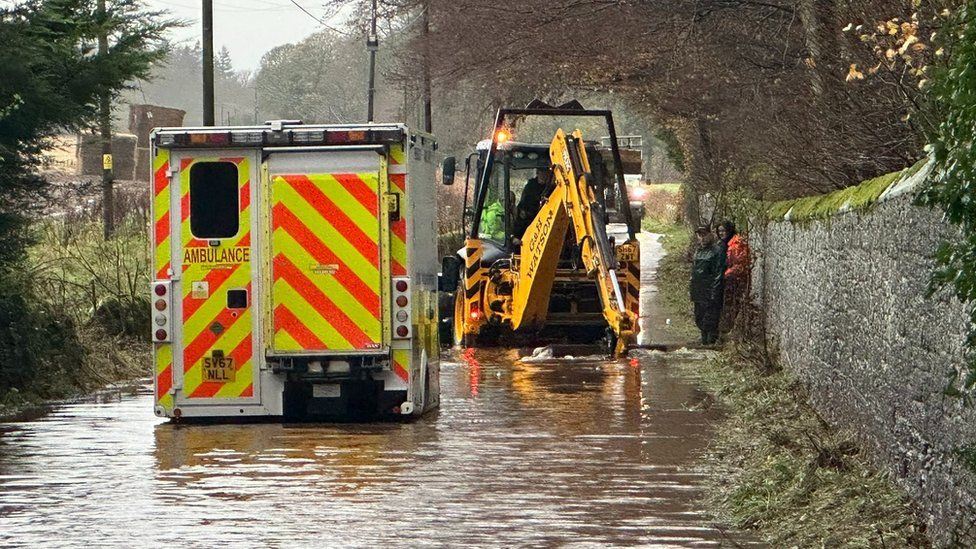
{"x":372,"y":44}
{"x":208,"y":64}
{"x":428,"y":123}
{"x":105,"y":129}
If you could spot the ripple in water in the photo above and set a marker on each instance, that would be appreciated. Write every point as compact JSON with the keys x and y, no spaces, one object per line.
{"x":585,"y":453}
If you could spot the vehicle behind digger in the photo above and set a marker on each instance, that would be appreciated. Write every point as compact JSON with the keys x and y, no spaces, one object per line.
{"x":540,"y":262}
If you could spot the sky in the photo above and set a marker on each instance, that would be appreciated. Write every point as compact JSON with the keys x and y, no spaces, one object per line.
{"x":248,"y":28}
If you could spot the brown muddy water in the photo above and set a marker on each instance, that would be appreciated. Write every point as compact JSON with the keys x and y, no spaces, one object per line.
{"x":566,"y":452}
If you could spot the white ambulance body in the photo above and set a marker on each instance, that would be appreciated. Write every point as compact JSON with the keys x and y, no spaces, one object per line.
{"x":295,"y":271}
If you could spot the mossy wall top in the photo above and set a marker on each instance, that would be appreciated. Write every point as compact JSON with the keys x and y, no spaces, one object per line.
{"x":858,"y":197}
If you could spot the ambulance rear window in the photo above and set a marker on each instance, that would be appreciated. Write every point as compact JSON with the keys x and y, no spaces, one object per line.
{"x":214,"y":208}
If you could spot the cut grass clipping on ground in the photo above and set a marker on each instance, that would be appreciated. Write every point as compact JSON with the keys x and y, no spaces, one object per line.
{"x":781,"y":470}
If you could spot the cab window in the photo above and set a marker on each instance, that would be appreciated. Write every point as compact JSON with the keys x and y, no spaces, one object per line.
{"x":214,"y":200}
{"x":496,"y":206}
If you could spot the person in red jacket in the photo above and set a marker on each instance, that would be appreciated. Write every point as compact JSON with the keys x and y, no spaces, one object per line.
{"x":737,"y":273}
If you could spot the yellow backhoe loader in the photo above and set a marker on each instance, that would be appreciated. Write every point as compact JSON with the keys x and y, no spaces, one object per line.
{"x":537,"y":258}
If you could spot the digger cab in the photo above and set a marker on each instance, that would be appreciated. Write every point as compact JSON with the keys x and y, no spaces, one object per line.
{"x":507,"y":184}
{"x":519,"y":181}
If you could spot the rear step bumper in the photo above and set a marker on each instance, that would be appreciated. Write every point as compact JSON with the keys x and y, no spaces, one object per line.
{"x":330,"y":366}
{"x":328,"y":355}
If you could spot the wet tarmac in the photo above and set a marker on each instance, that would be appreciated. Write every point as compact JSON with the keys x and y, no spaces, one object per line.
{"x":586,"y":453}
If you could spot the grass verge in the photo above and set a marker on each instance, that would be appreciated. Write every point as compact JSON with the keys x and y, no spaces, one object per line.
{"x":75,"y":317}
{"x":673,"y":275}
{"x":673,"y":188}
{"x":780,"y":470}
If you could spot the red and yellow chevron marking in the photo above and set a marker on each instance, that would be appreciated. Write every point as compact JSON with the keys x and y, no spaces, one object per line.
{"x":208,"y":325}
{"x":161,"y":217}
{"x":397,"y":154}
{"x":163,"y":352}
{"x":401,"y":364}
{"x":398,"y":229}
{"x":326,"y":262}
{"x":164,"y":375}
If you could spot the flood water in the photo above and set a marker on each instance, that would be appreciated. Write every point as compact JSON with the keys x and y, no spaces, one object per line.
{"x":584,"y":453}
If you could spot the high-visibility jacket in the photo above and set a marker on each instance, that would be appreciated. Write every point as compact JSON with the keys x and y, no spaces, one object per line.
{"x":737,"y":260}
{"x":493,"y":221}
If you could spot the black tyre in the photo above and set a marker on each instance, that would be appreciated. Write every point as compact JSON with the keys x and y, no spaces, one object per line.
{"x":445,"y":326}
{"x":458,"y":337}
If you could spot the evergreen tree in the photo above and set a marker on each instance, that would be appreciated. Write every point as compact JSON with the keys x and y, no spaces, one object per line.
{"x":51,"y":79}
{"x":223,"y":66}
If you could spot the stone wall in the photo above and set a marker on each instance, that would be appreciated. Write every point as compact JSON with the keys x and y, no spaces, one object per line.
{"x":846,"y":308}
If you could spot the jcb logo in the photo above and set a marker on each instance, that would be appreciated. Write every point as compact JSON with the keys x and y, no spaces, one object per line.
{"x":219,"y":368}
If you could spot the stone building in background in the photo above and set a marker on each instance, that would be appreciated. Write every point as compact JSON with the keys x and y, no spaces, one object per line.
{"x":89,"y":153}
{"x":142,"y":119}
{"x":81,"y":155}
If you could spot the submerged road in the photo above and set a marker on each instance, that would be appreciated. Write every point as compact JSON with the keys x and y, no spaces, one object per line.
{"x":582,"y":452}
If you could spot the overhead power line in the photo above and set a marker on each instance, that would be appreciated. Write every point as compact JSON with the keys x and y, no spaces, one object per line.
{"x":321,"y":22}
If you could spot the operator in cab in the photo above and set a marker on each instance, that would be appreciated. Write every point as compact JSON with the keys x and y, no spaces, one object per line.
{"x":530,"y":202}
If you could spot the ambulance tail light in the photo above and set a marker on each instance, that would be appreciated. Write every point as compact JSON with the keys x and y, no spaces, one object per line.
{"x":402,"y":324}
{"x":210,"y":138}
{"x":162,"y":311}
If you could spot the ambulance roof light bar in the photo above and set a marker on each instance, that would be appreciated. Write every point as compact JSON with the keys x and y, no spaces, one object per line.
{"x":270,"y":137}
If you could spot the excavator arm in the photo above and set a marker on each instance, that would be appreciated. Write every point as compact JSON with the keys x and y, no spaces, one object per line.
{"x":573,"y":201}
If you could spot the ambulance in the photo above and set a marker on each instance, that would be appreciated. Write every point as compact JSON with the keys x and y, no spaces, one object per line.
{"x":294,"y":271}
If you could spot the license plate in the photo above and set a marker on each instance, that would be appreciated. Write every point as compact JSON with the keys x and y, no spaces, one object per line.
{"x":326,"y":390}
{"x":218,"y":368}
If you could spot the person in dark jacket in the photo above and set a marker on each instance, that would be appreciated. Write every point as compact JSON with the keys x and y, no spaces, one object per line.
{"x":707,"y":270}
{"x":531,"y":201}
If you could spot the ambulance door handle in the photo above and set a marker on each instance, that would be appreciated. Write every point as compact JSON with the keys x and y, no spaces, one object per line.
{"x":393,"y":206}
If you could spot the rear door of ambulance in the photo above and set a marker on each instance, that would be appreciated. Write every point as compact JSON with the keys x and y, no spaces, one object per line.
{"x":327,"y":257}
{"x":213,"y":239}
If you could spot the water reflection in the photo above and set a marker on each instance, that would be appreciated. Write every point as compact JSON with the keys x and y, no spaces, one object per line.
{"x":340,"y":461}
{"x":586,"y":452}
